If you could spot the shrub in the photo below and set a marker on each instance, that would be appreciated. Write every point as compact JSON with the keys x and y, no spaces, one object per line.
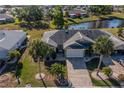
{"x":121,"y":77}
{"x":57,"y":69}
{"x":14,"y":53}
{"x":36,"y":25}
{"x":39,"y":25}
{"x":53,"y":55}
{"x":107,"y":71}
{"x":45,"y":25}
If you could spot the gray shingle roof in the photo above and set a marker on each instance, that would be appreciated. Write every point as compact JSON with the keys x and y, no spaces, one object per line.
{"x":11,"y":38}
{"x":81,"y":38}
{"x":62,"y":36}
{"x":79,"y":45}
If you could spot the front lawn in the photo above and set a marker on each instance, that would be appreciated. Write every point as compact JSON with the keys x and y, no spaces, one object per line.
{"x":30,"y":69}
{"x":92,"y":66}
{"x":105,"y":83}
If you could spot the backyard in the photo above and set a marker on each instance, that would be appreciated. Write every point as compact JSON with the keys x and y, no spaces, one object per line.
{"x":70,"y":21}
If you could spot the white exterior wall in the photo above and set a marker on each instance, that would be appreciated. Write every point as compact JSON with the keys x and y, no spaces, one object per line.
{"x":75,"y":52}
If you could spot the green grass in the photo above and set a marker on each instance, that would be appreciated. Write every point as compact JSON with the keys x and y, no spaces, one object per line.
{"x":70,"y":21}
{"x":105,"y":83}
{"x":10,"y":26}
{"x":30,"y":68}
{"x":101,"y":83}
{"x":118,"y":15}
{"x":36,"y":33}
{"x":92,"y":66}
{"x":28,"y":72}
{"x":114,"y":31}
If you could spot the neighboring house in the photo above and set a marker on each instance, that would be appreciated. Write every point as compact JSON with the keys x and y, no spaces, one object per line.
{"x":5,"y":18}
{"x":10,"y":40}
{"x":74,"y":43}
{"x":77,"y":13}
{"x":118,"y":8}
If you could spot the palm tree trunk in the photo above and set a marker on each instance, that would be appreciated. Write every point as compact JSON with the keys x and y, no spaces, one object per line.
{"x":100,"y":61}
{"x":39,"y":67}
{"x":40,"y":72}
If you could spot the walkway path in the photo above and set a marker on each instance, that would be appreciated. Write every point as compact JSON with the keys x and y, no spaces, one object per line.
{"x":78,"y":73}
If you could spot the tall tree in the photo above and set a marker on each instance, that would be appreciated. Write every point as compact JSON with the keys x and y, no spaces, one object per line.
{"x":39,"y":50}
{"x":29,"y":13}
{"x":100,"y":9}
{"x":66,"y":13}
{"x":103,"y":47}
{"x":58,"y":19}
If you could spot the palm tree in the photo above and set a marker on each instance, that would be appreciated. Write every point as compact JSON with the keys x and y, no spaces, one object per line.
{"x":103,"y":47}
{"x":58,"y":70}
{"x":39,"y":50}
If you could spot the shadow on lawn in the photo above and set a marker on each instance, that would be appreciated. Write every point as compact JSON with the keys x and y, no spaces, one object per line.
{"x":16,"y":66}
{"x":114,"y":82}
{"x":104,"y":81}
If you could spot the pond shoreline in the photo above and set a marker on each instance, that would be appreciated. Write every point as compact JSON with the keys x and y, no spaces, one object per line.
{"x":112,"y":22}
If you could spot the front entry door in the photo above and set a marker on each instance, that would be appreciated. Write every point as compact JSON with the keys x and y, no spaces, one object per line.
{"x":60,"y":49}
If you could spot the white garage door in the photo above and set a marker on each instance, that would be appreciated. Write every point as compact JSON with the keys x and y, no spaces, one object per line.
{"x":75,"y":53}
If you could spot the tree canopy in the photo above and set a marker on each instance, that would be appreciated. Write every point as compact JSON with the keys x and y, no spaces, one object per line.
{"x":103,"y":46}
{"x":40,"y":49}
{"x":100,"y":9}
{"x":58,"y":19}
{"x":29,"y":13}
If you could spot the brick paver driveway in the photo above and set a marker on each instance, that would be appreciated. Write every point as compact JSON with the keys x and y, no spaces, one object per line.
{"x":78,"y":73}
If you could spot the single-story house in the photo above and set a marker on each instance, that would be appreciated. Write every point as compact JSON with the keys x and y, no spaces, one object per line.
{"x":74,"y":43}
{"x":10,"y":40}
{"x":77,"y":13}
{"x":5,"y":18}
